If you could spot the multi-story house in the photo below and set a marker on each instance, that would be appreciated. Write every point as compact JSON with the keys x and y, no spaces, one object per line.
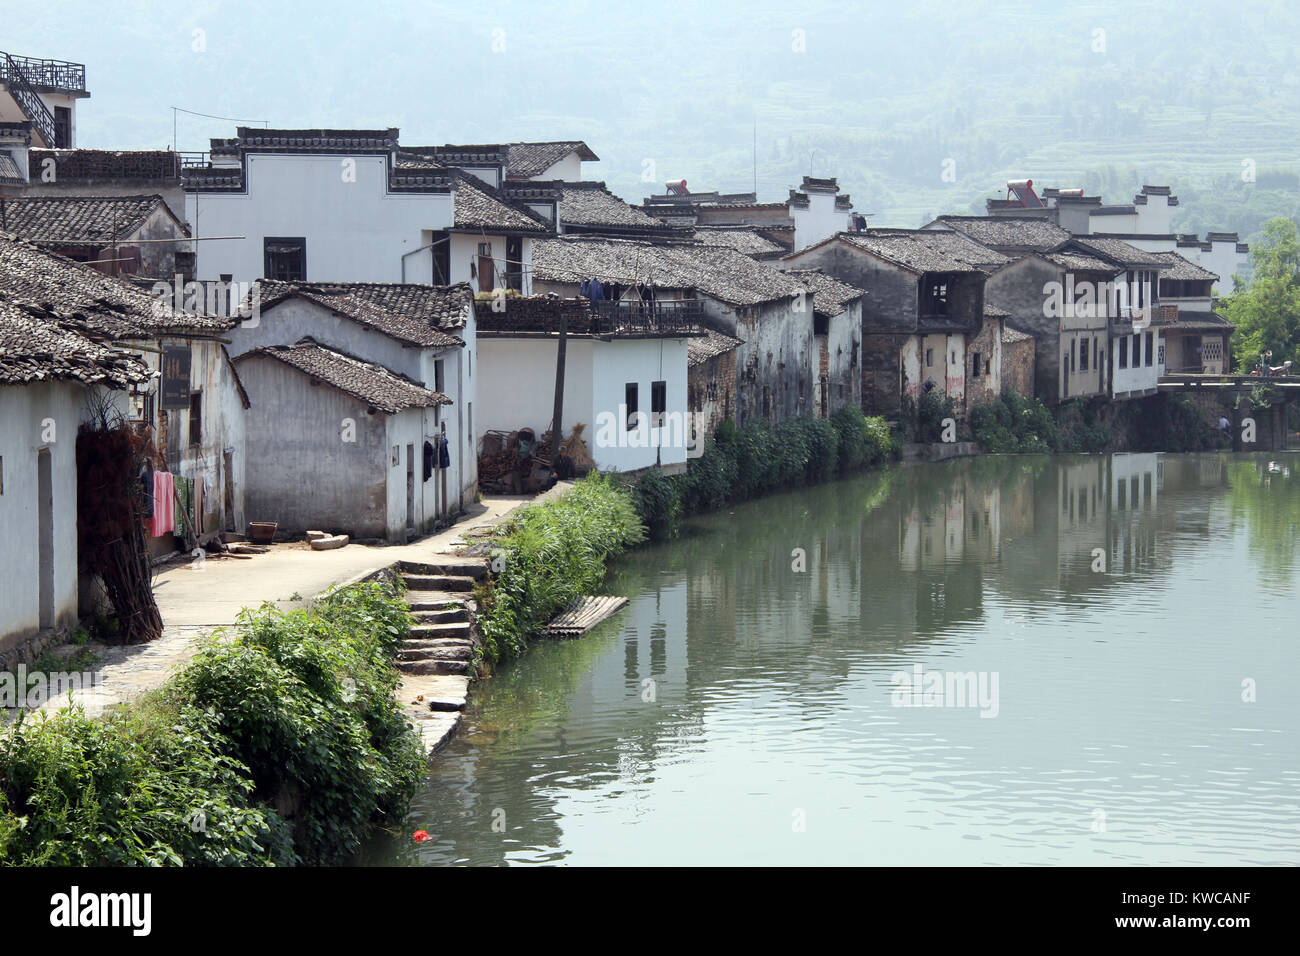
{"x":43,"y":93}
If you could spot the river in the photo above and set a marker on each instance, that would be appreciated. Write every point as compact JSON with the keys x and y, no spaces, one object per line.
{"x":999,"y":660}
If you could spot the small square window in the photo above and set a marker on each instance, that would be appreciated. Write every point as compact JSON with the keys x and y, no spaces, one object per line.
{"x":285,"y":259}
{"x":658,"y":402}
{"x":630,"y":403}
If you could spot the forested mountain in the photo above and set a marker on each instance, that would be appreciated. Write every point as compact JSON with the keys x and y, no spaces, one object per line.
{"x":919,"y":108}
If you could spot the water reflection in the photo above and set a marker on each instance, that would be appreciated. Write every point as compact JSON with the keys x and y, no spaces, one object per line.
{"x":1122,"y":601}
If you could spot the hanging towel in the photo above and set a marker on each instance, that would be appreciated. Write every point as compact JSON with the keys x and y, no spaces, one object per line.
{"x":164,"y":504}
{"x":185,"y":494}
{"x":198,"y":505}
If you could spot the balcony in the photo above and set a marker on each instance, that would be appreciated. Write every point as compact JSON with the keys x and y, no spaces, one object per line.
{"x":58,"y":76}
{"x":542,"y":314}
{"x":648,"y":319}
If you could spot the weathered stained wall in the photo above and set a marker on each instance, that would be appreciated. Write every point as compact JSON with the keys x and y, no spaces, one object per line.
{"x":984,"y":363}
{"x":304,"y":475}
{"x":843,"y":343}
{"x":882,"y":373}
{"x":1018,"y":366}
{"x":711,"y":390}
{"x":777,"y":365}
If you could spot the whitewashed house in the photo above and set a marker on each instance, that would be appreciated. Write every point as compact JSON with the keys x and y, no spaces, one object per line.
{"x":338,"y":443}
{"x":422,"y":334}
{"x":625,"y":377}
{"x":771,"y":313}
{"x":196,"y":406}
{"x":47,"y":373}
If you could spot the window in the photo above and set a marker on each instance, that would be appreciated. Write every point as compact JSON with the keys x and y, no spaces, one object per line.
{"x":196,"y":418}
{"x":1150,"y":347}
{"x":285,"y":259}
{"x":486,"y":268}
{"x":1137,"y":351}
{"x":975,"y":365}
{"x":658,"y":403}
{"x":441,"y":258}
{"x":1095,"y":363}
{"x":630,"y":403}
{"x":929,"y":358}
{"x":515,"y":263}
{"x":438,"y":376}
{"x":1083,"y":358}
{"x":1123,"y":352}
{"x":934,"y":297}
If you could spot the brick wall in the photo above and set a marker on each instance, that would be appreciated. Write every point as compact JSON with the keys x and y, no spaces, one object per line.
{"x":1018,"y":366}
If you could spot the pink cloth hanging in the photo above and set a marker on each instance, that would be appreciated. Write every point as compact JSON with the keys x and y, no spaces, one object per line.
{"x":164,"y":504}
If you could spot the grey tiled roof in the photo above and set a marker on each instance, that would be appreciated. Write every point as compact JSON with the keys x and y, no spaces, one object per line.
{"x":993,"y":312}
{"x":1183,"y":270}
{"x":920,"y":250}
{"x":591,"y":204}
{"x":1011,"y":336}
{"x":34,"y":348}
{"x":718,"y":272}
{"x":480,"y":207}
{"x":82,"y":295}
{"x":743,"y":239}
{"x":82,"y":220}
{"x":831,"y":296}
{"x":1003,"y":233}
{"x":1117,"y":250}
{"x":711,"y":344}
{"x":412,"y":314}
{"x":373,"y":384}
{"x":1074,"y":261}
{"x":10,"y":174}
{"x":532,"y":159}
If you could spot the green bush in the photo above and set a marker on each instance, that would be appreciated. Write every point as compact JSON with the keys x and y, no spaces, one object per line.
{"x":933,"y":408}
{"x":278,"y":744}
{"x":1014,"y":423}
{"x":551,"y":554}
{"x":747,"y":462}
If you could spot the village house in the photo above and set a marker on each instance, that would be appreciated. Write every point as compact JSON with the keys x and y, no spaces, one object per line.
{"x":925,"y":302}
{"x":43,"y":93}
{"x":1018,"y":358}
{"x":771,"y":313}
{"x":195,"y":405}
{"x":1132,"y":367}
{"x":47,"y":375}
{"x":625,"y":371}
{"x":118,"y":235}
{"x":1146,"y":222}
{"x":339,"y":443}
{"x":1053,"y":297}
{"x":1194,"y":337}
{"x":811,"y":213}
{"x":837,"y":333}
{"x":418,"y":333}
{"x":354,"y":206}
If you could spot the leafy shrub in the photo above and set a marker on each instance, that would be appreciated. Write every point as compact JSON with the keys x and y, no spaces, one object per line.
{"x":658,"y":502}
{"x":553,"y":553}
{"x":933,"y":407}
{"x":1014,"y":423}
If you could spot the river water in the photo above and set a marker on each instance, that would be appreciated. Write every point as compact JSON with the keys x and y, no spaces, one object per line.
{"x":1000,"y":660}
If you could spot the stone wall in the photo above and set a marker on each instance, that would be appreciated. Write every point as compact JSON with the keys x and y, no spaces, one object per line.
{"x":1018,"y":366}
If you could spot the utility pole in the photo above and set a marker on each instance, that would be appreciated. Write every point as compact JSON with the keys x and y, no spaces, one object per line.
{"x":559,"y":387}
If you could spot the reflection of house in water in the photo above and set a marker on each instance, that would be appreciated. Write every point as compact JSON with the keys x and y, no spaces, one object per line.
{"x":1134,"y":498}
{"x":967,"y":522}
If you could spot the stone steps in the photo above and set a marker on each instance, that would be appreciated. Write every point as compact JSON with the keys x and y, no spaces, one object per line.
{"x":450,"y":629}
{"x":453,"y":616}
{"x":471,"y":569}
{"x":439,"y":582}
{"x":462,"y":653}
{"x":433,"y":667}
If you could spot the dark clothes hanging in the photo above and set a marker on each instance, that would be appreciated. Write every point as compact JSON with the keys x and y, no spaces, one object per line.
{"x":444,"y":455}
{"x":146,"y":483}
{"x":563,"y":467}
{"x":428,"y":461}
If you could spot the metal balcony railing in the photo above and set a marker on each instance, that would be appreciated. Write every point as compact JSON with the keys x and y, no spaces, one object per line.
{"x":678,"y":317}
{"x":56,"y":74}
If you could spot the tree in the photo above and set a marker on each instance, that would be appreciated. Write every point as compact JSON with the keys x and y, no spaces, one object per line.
{"x":1267,"y":313}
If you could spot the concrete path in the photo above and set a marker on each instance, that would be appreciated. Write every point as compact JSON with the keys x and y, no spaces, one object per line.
{"x":194,"y":602}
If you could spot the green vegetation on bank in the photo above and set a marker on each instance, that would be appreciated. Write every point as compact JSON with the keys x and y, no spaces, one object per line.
{"x":550,"y":554}
{"x":278,"y":744}
{"x":1168,"y":423}
{"x":1267,"y":313}
{"x":743,"y":463}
